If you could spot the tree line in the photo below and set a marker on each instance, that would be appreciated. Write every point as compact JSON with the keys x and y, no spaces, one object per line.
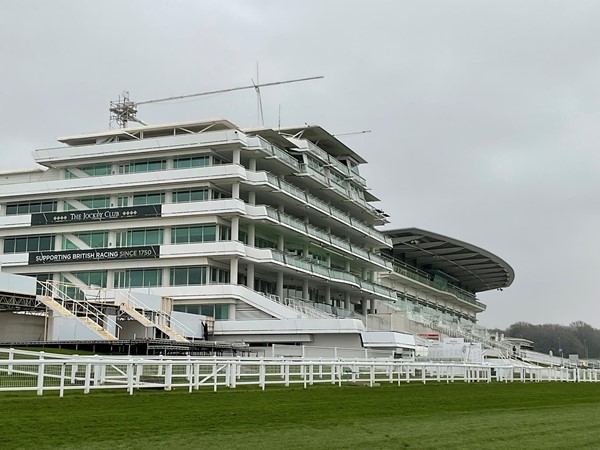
{"x":576,"y":338}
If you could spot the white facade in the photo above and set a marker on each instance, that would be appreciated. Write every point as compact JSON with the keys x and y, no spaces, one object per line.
{"x":270,"y":233}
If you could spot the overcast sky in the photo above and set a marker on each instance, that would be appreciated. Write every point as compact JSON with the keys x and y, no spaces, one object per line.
{"x":484,"y":115}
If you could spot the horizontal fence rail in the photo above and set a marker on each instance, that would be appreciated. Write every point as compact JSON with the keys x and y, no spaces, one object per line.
{"x":22,"y":371}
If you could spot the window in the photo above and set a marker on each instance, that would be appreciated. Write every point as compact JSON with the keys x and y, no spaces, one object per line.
{"x":185,"y":235}
{"x":138,"y":278}
{"x":28,"y":244}
{"x":95,"y":278}
{"x":30,"y":207}
{"x":224,"y":233}
{"x":220,"y":311}
{"x":190,"y":196}
{"x":185,"y":276}
{"x":132,"y":238}
{"x":90,"y":202}
{"x":93,"y":240}
{"x":219,"y":275}
{"x":94,"y":170}
{"x":155,"y":198}
{"x":193,"y":161}
{"x":143,"y":166}
{"x":264,"y":243}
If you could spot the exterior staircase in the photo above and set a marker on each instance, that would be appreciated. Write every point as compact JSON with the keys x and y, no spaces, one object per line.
{"x":55,"y":306}
{"x":135,"y":314}
{"x":170,"y":332}
{"x":97,"y":328}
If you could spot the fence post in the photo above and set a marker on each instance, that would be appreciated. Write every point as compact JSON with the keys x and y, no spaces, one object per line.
{"x":130,"y":377}
{"x":169,"y":376}
{"x":88,"y":373}
{"x":62,"y":379}
{"x":261,"y":374}
{"x":40,"y":380}
{"x":10,"y":359}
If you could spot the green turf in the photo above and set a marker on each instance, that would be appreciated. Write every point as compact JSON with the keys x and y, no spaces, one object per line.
{"x":444,"y":416}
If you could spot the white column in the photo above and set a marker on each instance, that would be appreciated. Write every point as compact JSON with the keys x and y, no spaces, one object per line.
{"x":347,"y":300}
{"x":233,"y":271}
{"x":305,"y":289}
{"x":251,"y":234}
{"x":252,"y":198}
{"x":252,"y":164}
{"x":279,"y":287}
{"x":250,"y":276}
{"x":364,"y":304}
{"x":236,"y":156}
{"x":328,"y":295}
{"x":235,"y":228}
{"x":235,"y":190}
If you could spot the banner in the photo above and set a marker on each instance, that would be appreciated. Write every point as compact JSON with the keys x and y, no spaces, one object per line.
{"x":96,"y":215}
{"x":95,"y":254}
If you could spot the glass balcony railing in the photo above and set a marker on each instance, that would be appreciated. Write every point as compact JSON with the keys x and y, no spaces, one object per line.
{"x":334,"y":274}
{"x":305,"y":168}
{"x":425,"y":278}
{"x":326,"y":237}
{"x":267,"y":147}
{"x":301,"y":195}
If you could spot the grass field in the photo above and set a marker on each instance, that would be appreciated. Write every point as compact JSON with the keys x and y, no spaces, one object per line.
{"x":448,"y":416}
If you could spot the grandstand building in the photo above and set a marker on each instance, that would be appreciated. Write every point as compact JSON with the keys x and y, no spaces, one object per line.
{"x":269,"y":233}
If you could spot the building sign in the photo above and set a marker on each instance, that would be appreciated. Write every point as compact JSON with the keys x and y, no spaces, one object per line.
{"x":95,"y":254}
{"x":96,"y":215}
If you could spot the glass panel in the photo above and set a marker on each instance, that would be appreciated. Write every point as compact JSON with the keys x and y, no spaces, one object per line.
{"x":195,"y":234}
{"x":210,"y":233}
{"x":221,"y":312}
{"x":21,"y":245}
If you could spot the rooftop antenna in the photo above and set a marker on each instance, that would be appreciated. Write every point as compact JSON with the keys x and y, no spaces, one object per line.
{"x":259,"y":106}
{"x":125,"y":110}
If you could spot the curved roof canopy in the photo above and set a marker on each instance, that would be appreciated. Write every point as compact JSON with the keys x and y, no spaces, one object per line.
{"x":473,"y":268}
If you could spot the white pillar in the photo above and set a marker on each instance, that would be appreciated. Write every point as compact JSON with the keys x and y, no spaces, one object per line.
{"x":305,"y":289}
{"x":280,"y":285}
{"x":252,"y":198}
{"x":233,"y":271}
{"x":236,"y":156}
{"x":347,"y":301}
{"x":251,"y":234}
{"x":235,"y":190}
{"x":250,"y":276}
{"x":328,"y":295}
{"x":235,"y":228}
{"x":252,"y":164}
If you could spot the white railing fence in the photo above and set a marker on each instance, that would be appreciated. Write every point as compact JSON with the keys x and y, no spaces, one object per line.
{"x":19,"y":371}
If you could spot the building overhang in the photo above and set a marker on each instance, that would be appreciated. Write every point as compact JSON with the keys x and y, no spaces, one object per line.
{"x":473,"y":268}
{"x":150,"y":131}
{"x":324,"y":140}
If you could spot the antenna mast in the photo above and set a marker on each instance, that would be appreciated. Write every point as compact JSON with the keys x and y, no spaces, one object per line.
{"x":125,"y":110}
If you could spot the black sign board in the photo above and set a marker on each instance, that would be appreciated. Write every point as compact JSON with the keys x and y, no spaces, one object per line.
{"x":96,"y":215}
{"x":95,"y":254}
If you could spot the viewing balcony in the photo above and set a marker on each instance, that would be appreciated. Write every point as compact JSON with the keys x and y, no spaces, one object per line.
{"x":425,"y":278}
{"x":317,"y":204}
{"x":320,"y":235}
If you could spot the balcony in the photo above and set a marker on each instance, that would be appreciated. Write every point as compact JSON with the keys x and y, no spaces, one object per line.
{"x":122,"y":150}
{"x":424,"y":278}
{"x":319,"y":234}
{"x":335,"y":275}
{"x":317,"y":203}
